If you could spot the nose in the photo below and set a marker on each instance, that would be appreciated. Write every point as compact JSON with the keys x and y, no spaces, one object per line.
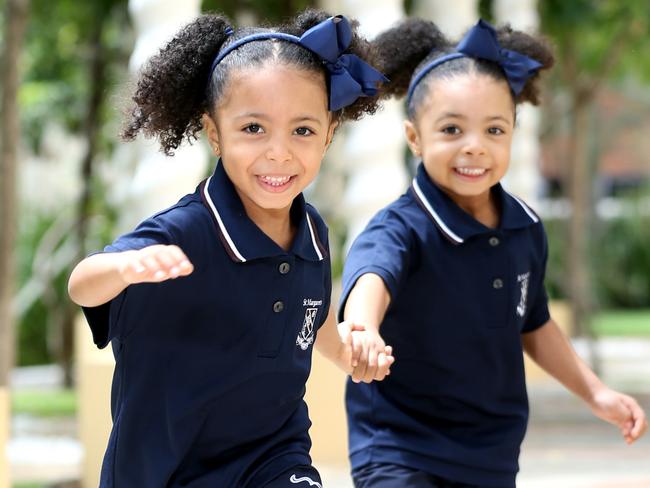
{"x":474,"y":145}
{"x":279,"y":150}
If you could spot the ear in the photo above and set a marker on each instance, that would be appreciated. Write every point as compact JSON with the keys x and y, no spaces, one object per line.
{"x":212,"y":133}
{"x":412,"y":138}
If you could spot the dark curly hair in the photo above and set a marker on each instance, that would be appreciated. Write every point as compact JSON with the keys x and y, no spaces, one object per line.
{"x":405,"y":49}
{"x":176,"y":88}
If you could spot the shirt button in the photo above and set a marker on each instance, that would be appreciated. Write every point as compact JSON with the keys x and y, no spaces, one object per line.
{"x":497,"y":284}
{"x":278,"y":306}
{"x":494,"y":241}
{"x":284,"y":268}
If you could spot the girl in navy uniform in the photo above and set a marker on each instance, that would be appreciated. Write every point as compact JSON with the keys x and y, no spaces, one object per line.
{"x":212,"y":305}
{"x":452,"y":276}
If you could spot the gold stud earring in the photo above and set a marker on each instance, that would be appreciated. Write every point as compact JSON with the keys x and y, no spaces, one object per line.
{"x":216,"y":149}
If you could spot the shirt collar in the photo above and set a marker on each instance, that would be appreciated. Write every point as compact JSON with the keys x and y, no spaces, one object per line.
{"x":242,"y":239}
{"x":456,"y":224}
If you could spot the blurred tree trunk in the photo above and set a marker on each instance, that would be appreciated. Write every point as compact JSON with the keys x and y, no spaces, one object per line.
{"x":16,"y":14}
{"x":579,"y":180}
{"x":583,"y":91}
{"x":97,"y":80}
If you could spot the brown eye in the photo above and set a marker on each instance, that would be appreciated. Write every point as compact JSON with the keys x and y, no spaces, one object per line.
{"x":253,"y":129}
{"x":451,"y":130}
{"x":304,"y":131}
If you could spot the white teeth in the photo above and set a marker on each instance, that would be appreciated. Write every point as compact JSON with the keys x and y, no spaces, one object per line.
{"x":275,"y":180}
{"x":471,"y":171}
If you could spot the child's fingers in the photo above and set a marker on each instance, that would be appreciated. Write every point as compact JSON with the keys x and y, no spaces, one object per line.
{"x":638,"y":420}
{"x":357,"y":346}
{"x":169,"y":259}
{"x":345,"y":335}
{"x":155,"y":270}
{"x":160,"y":262}
{"x":134,"y":270}
{"x":361,"y":366}
{"x":357,"y":352}
{"x":181,"y":265}
{"x":373,"y":363}
{"x":383,"y":366}
{"x":165,"y":257}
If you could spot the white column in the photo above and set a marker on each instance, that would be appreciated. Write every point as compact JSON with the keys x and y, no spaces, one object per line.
{"x":373,"y":151}
{"x":151,"y":181}
{"x":523,"y":177}
{"x":452,"y":19}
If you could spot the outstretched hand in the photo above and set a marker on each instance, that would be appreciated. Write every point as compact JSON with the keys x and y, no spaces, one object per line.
{"x":621,"y":410}
{"x":154,"y":264}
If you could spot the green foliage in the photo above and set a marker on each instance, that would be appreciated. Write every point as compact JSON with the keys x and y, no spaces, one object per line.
{"x":58,"y":44}
{"x":619,"y":257}
{"x":61,"y":40}
{"x":588,"y":31}
{"x":622,"y":262}
{"x":32,"y":326}
{"x":485,"y":10}
{"x":633,"y":323}
{"x":556,"y":231}
{"x":44,"y":403}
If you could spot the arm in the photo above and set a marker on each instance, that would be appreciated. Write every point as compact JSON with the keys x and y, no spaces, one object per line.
{"x":331,"y":345}
{"x":368,"y":301}
{"x":101,"y":277}
{"x":550,"y":348}
{"x":367,"y":304}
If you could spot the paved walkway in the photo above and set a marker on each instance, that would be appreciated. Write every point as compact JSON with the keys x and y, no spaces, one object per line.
{"x":566,"y":447}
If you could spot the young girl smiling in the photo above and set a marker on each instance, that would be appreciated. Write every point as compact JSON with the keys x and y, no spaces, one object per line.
{"x":213,"y":304}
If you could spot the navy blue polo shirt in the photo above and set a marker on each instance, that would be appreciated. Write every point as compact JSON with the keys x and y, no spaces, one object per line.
{"x":455,"y":404}
{"x":211,"y":368}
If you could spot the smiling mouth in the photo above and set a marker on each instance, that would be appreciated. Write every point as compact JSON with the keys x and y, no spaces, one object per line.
{"x":275,"y":180}
{"x":471,"y":172}
{"x":275,"y":183}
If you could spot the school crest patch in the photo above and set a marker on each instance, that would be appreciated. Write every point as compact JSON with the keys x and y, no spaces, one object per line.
{"x":306,"y":335}
{"x":523,"y":280}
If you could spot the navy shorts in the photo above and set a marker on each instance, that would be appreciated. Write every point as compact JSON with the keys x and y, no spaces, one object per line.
{"x":297,"y":477}
{"x":380,"y":475}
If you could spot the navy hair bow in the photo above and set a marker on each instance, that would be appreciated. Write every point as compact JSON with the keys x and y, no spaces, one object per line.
{"x":349,"y":76}
{"x":481,"y":42}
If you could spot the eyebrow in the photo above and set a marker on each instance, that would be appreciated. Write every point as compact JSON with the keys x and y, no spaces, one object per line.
{"x":300,"y":118}
{"x":452,"y":115}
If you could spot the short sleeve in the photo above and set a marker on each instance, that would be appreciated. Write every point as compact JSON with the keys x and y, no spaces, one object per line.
{"x":383,"y":248}
{"x":104,"y":319}
{"x":539,"y":313}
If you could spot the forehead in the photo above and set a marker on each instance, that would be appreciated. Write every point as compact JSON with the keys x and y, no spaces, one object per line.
{"x":275,"y":86}
{"x":467,"y":94}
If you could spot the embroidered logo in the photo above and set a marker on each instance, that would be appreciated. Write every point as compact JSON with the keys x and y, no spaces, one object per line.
{"x":523,"y":279}
{"x":311,"y":482}
{"x":306,"y":336}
